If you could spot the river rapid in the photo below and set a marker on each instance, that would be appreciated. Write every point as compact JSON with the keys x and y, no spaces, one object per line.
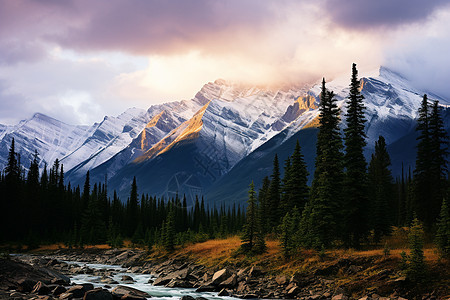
{"x":141,"y":282}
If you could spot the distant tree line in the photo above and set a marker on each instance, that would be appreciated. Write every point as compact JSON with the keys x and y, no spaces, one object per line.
{"x":351,"y":202}
{"x":39,"y":208}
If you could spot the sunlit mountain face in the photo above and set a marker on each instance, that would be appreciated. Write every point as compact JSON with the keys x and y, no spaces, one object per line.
{"x":205,"y":138}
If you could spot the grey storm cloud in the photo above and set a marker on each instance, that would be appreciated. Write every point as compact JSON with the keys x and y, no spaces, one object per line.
{"x":365,"y":14}
{"x":164,"y":27}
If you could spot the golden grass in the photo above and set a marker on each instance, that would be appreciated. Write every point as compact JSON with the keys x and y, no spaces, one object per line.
{"x":221,"y":252}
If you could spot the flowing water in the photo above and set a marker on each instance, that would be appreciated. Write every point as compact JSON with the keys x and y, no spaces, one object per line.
{"x":141,"y":283}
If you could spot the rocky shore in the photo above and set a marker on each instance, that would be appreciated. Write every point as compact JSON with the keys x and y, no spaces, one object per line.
{"x":47,"y":277}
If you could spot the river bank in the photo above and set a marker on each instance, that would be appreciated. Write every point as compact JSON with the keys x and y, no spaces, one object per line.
{"x":216,"y":267}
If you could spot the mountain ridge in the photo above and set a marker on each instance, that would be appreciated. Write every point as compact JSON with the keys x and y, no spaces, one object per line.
{"x":236,"y":120}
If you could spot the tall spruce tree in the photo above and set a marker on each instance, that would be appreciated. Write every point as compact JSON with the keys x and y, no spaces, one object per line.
{"x":251,"y":222}
{"x":133,"y":209}
{"x":320,"y":219}
{"x":263,"y":196}
{"x":296,"y":183}
{"x":274,"y":195}
{"x":356,"y":202}
{"x":381,"y":190}
{"x":422,"y":173}
{"x":439,"y":161}
{"x":416,"y":269}
{"x":443,"y":230}
{"x":169,"y":236}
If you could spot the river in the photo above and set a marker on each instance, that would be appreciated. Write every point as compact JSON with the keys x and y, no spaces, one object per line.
{"x":141,"y":283}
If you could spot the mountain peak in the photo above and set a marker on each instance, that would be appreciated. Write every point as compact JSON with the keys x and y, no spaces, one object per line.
{"x":40,"y":117}
{"x":388,"y":73}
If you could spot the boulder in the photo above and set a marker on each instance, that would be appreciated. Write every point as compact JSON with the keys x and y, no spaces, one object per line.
{"x":76,"y":291}
{"x":242,"y":287}
{"x":229,"y":282}
{"x":223,"y":293}
{"x":66,"y":296}
{"x":353,"y":269}
{"x":339,"y":297}
{"x":290,"y":286}
{"x":161,"y":281}
{"x":98,"y":294}
{"x":132,"y":297}
{"x":126,"y":278}
{"x":255,"y":272}
{"x":108,"y":280}
{"x":293,"y":292}
{"x":187,"y":298}
{"x":56,"y":276}
{"x":220,"y":276}
{"x":58,"y":290}
{"x":242,"y":272}
{"x":178,"y":283}
{"x":281,"y":280}
{"x":25,"y":285}
{"x":121,"y":290}
{"x":206,"y":288}
{"x":40,"y":288}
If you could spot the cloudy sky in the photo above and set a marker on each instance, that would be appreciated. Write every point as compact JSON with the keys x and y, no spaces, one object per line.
{"x":78,"y":60}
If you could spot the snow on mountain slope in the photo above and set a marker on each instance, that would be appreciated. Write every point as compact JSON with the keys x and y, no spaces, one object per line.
{"x":390,"y":99}
{"x":50,"y":137}
{"x":234,"y":121}
{"x":110,"y":136}
{"x":3,"y":130}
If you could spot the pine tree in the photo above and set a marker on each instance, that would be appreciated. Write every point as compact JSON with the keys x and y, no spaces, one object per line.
{"x":133,"y":209}
{"x":86,"y":191}
{"x":250,"y":227}
{"x":93,"y":229}
{"x":260,"y":239}
{"x":380,"y":190}
{"x":13,"y":200}
{"x":138,"y":236}
{"x":356,"y":210}
{"x":439,"y":163}
{"x":263,"y":199}
{"x":416,"y":268}
{"x":286,"y":235}
{"x":296,"y":184}
{"x":324,"y":210}
{"x":402,"y":200}
{"x":443,"y":230}
{"x":12,"y":169}
{"x":169,"y":237}
{"x":286,"y":188}
{"x":33,"y":193}
{"x":289,"y":228}
{"x":422,"y":173}
{"x":274,"y":195}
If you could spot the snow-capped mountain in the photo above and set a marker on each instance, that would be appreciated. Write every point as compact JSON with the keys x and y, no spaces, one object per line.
{"x":230,"y":122}
{"x":391,"y":103}
{"x":50,"y":137}
{"x":202,"y":139}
